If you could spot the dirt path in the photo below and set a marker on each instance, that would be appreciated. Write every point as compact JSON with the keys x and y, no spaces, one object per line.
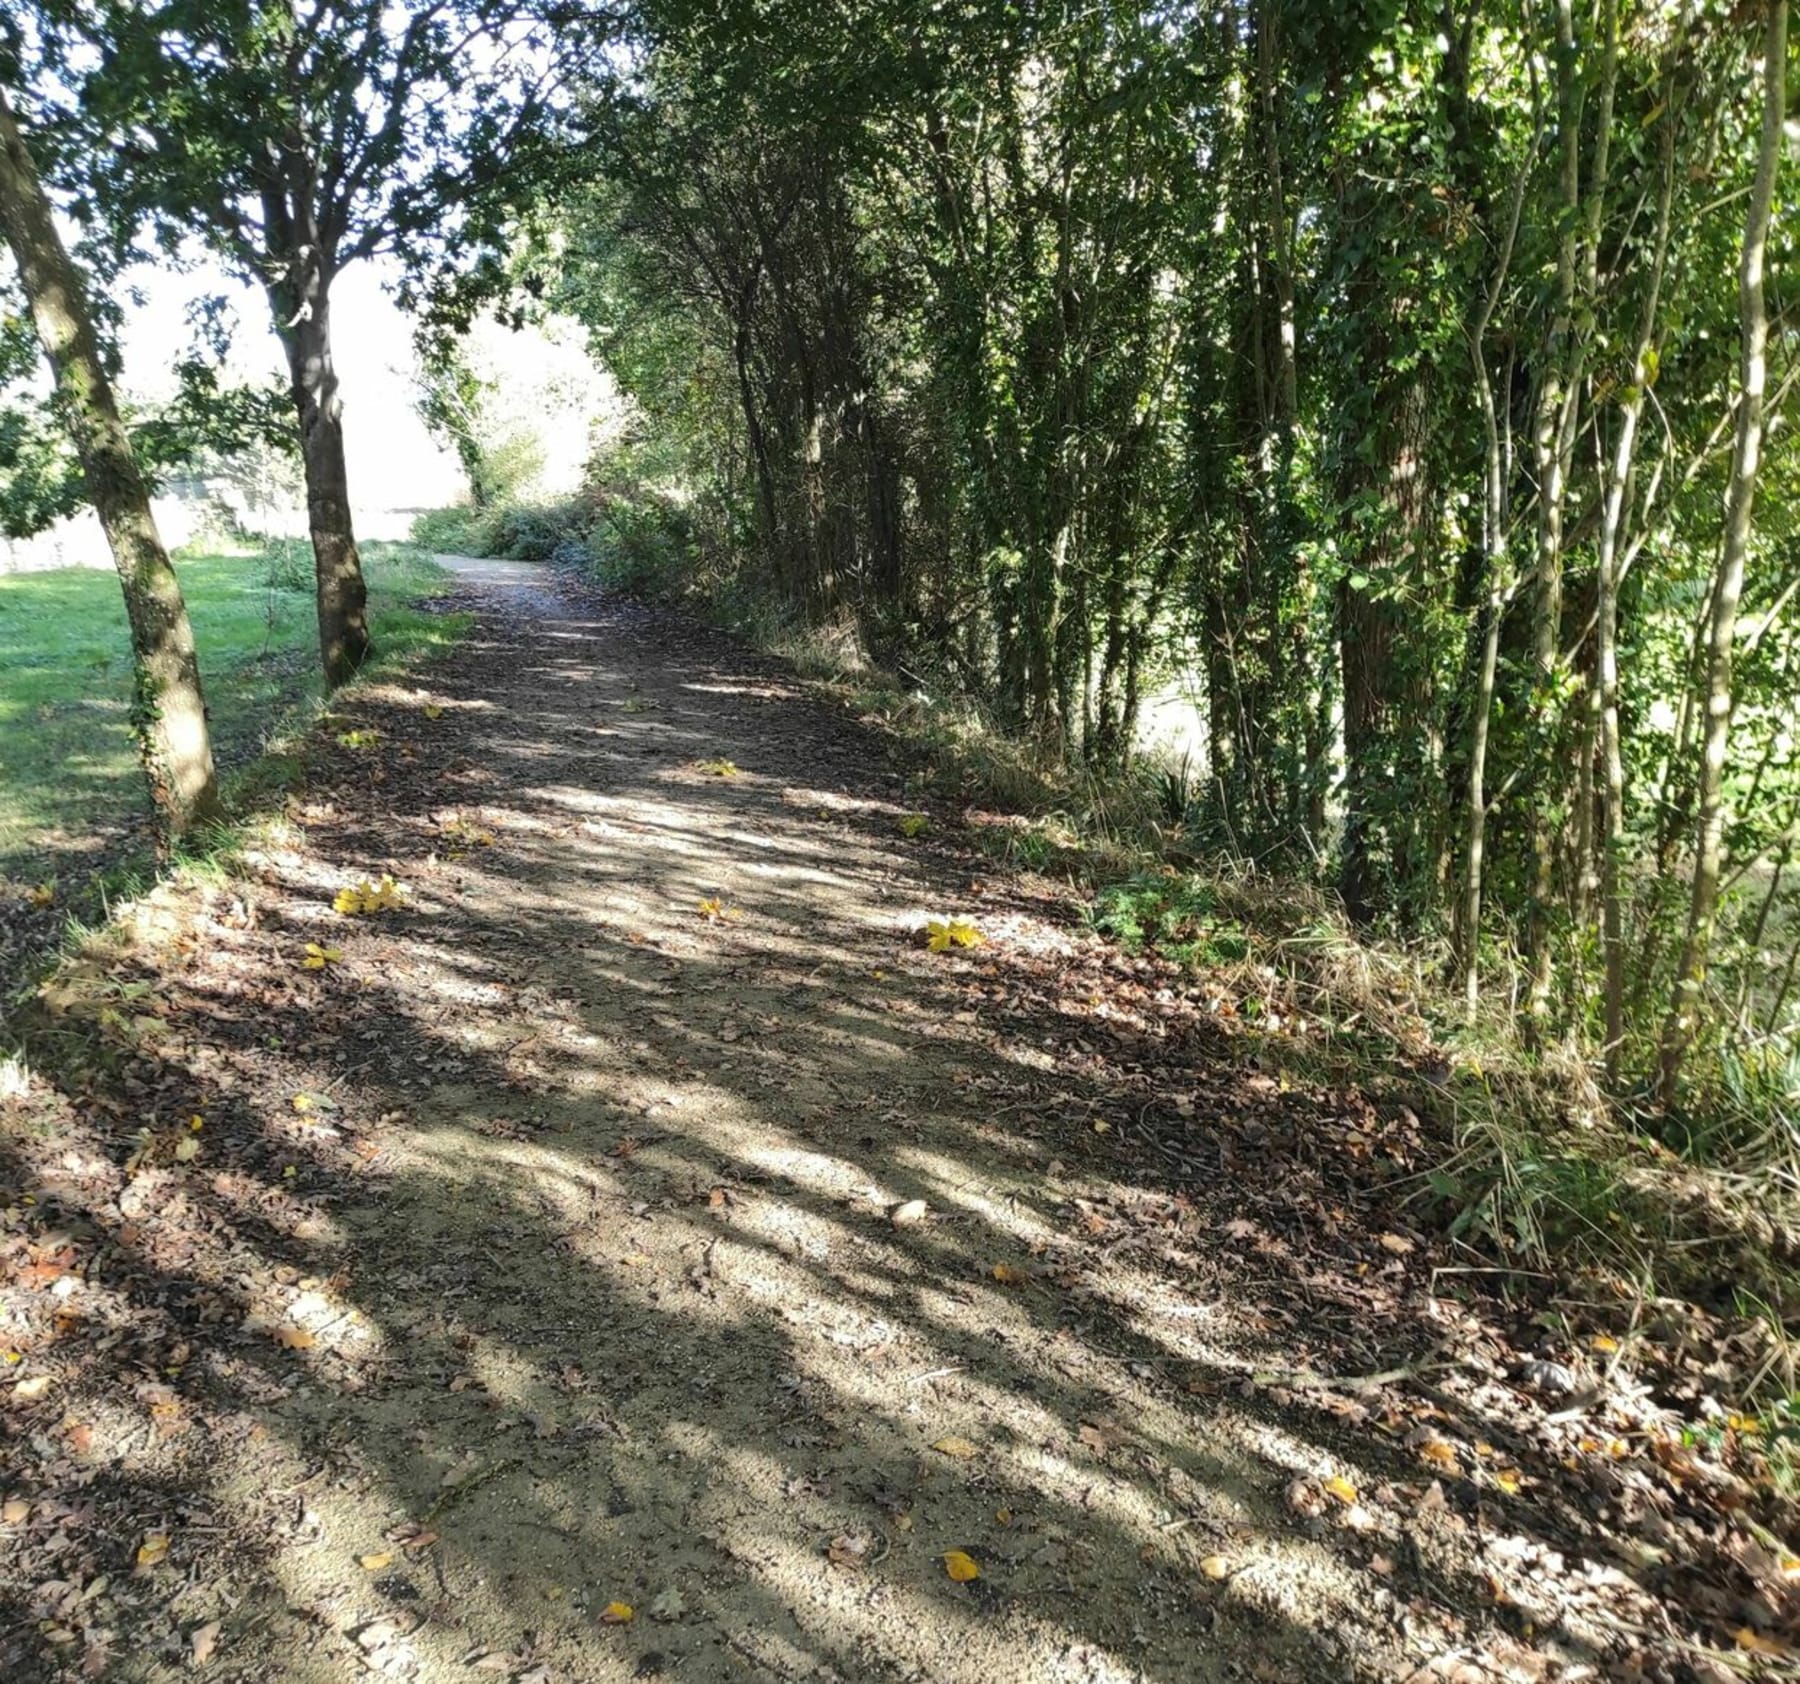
{"x":539,"y":1254}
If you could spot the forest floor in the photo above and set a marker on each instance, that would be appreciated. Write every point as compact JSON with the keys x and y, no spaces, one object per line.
{"x":637,"y":1254}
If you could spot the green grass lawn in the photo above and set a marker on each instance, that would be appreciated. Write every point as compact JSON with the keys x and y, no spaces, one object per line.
{"x":70,"y":788}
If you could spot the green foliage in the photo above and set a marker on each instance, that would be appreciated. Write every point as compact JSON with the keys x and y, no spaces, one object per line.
{"x":1172,"y":914}
{"x":1068,"y":354}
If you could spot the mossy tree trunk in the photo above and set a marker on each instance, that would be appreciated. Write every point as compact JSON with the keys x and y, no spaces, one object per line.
{"x":168,"y":710}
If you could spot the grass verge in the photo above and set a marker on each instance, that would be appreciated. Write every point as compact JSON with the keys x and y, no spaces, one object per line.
{"x":71,"y":793}
{"x":74,"y":831}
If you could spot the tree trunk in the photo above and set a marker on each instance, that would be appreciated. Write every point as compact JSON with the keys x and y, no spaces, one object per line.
{"x":303,"y":318}
{"x":1606,"y":576}
{"x":1553,"y":431}
{"x":168,"y":711}
{"x":1753,"y":316}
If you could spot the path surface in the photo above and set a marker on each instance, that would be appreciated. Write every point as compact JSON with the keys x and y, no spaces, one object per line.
{"x":539,"y":1253}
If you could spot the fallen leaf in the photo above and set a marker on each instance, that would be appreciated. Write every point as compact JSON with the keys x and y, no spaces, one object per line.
{"x":617,"y":1614}
{"x":433,"y":711}
{"x":187,"y":1149}
{"x":1755,"y":1643}
{"x":29,"y":1391}
{"x":1441,"y":1455}
{"x":960,"y":1566}
{"x":16,"y":1512}
{"x":960,"y":1448}
{"x":153,"y":1549}
{"x":1216,"y":1567}
{"x":910,"y":1214}
{"x":1342,"y":1489}
{"x":1007,"y":1275}
{"x":295,"y":1338}
{"x":203,"y":1641}
{"x":1397,"y":1244}
{"x":364,"y":897}
{"x":671,"y":1605}
{"x":941,"y":934}
{"x":847,"y":1549}
{"x":1603,"y":1342}
{"x":374,"y":1563}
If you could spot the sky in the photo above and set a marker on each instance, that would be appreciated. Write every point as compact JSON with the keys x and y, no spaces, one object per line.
{"x":394,"y":461}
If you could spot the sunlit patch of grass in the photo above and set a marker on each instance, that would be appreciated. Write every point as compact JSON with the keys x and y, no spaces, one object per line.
{"x":68,"y":773}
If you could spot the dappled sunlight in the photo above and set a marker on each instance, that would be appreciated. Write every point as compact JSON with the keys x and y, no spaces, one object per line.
{"x":725,"y":1269}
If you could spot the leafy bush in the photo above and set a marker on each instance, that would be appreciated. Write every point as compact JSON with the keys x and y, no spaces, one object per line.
{"x":531,"y":531}
{"x":287,"y":564}
{"x":455,"y":531}
{"x":645,"y":545}
{"x":1176,"y":915}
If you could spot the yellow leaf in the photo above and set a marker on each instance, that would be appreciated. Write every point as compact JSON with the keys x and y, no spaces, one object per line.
{"x":1441,"y":1455}
{"x":1004,"y":1516}
{"x":716,"y":768}
{"x":433,"y":711}
{"x":29,"y":1391}
{"x":296,"y":1338}
{"x":1507,"y":1479}
{"x":960,"y":1448}
{"x":1756,"y":1644}
{"x":960,"y":1566}
{"x":1216,"y":1567}
{"x":913,"y":824}
{"x":1603,"y":1342}
{"x":1007,"y":1275}
{"x":153,"y":1549}
{"x":187,"y":1150}
{"x":1341,"y":1488}
{"x":617,"y":1614}
{"x":375,"y":1563}
{"x":11,"y":1357}
{"x":364,"y":896}
{"x":941,"y":934}
{"x":43,"y":895}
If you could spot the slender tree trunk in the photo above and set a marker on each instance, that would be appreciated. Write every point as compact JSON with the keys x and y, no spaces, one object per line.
{"x":1606,"y":635}
{"x":1496,"y":456}
{"x":1552,"y":435}
{"x":1703,"y":905}
{"x":168,"y":710}
{"x":302,"y":308}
